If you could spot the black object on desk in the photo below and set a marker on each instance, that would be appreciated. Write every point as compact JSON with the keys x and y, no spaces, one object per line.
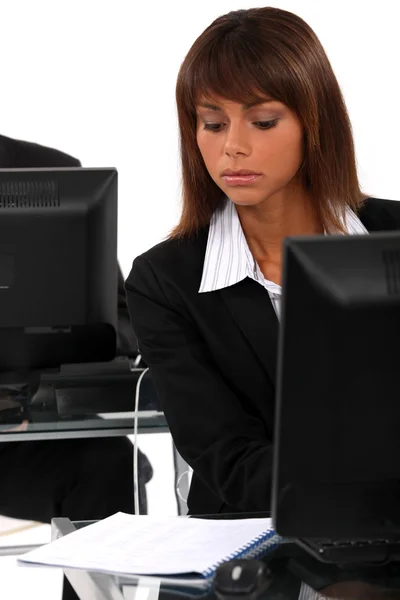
{"x":241,"y":578}
{"x":77,"y":391}
{"x":100,"y":387}
{"x":337,"y":459}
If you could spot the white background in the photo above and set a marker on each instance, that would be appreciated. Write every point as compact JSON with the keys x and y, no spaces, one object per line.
{"x":96,"y":79}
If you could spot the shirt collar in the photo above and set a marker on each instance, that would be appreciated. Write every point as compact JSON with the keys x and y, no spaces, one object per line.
{"x":228,"y":259}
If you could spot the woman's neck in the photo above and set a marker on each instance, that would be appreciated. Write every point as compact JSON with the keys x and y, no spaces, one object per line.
{"x":266,"y":225}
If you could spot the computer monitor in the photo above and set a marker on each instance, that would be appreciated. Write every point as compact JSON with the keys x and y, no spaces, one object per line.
{"x":337,"y":431}
{"x":58,"y":267}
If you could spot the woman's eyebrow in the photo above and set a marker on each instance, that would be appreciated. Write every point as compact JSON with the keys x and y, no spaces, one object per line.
{"x":208,"y":106}
{"x":214,"y":107}
{"x":257,"y":103}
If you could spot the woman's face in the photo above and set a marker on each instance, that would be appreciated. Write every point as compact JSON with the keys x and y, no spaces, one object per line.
{"x":252,"y":152}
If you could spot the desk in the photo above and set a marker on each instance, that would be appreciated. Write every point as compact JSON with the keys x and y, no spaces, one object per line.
{"x":84,"y":401}
{"x":80,"y":401}
{"x":96,"y":425}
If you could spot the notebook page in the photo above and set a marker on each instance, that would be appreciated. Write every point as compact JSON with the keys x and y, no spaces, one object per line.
{"x":146,"y":545}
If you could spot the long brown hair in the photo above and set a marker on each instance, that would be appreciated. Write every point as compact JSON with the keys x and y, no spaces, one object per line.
{"x":245,"y":56}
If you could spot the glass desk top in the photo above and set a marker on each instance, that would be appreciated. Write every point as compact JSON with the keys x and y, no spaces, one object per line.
{"x":93,"y":400}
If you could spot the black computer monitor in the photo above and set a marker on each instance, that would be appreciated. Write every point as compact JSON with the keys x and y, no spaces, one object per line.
{"x":58,"y":267}
{"x":337,"y":432}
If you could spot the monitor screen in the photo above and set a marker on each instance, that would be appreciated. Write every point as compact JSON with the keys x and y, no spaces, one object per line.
{"x":58,"y":266}
{"x":337,"y":430}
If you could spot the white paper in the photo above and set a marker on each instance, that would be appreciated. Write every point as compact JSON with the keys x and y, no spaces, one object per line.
{"x":145,"y":545}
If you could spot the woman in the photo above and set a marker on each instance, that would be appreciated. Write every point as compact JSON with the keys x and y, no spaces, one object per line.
{"x":267,"y":152}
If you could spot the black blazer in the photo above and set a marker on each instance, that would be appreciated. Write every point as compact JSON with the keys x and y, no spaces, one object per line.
{"x":213,"y":359}
{"x":16,"y":154}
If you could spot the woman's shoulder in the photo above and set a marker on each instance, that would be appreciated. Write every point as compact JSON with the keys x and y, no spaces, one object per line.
{"x":178,"y":248}
{"x":176,"y":258}
{"x":380,"y":214}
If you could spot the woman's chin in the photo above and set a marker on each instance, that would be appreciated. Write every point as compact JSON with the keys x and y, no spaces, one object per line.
{"x":245,"y":199}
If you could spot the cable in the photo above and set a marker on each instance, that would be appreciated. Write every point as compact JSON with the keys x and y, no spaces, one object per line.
{"x":178,"y":490}
{"x":178,"y":494}
{"x":137,"y":361}
{"x":135,"y":446}
{"x":176,"y":479}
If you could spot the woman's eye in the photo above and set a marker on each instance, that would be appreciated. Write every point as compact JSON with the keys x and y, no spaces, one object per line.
{"x":266,"y":124}
{"x":213,"y":126}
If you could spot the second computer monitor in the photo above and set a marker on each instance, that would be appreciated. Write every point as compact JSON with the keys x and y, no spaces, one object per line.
{"x":337,"y":434}
{"x":58,"y":266}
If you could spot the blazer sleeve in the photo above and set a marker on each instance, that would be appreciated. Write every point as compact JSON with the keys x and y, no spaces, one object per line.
{"x":225,"y":445}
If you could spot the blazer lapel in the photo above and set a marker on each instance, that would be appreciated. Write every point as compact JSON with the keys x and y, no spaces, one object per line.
{"x":252,"y":310}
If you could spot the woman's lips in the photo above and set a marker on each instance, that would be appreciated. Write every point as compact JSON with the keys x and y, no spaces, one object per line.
{"x":235,"y":180}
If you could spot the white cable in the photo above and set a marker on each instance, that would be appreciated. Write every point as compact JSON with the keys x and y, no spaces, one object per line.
{"x":135,"y":446}
{"x":178,"y":489}
{"x":137,"y":360}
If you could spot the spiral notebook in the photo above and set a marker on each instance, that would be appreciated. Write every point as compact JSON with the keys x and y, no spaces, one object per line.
{"x":166,"y":546}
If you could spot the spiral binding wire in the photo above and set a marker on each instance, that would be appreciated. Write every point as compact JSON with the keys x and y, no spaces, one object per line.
{"x":260,"y":545}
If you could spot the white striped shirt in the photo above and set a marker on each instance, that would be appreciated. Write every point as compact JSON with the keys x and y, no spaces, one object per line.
{"x":228,"y":258}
